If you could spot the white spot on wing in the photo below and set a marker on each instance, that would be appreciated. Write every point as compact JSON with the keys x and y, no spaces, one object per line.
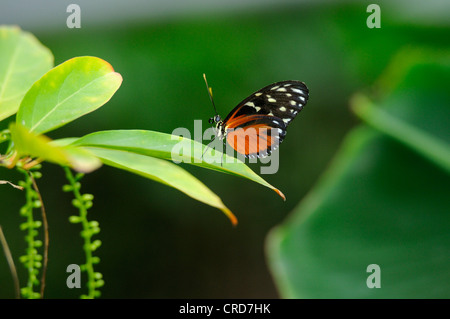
{"x":250,"y":104}
{"x":282,"y":109}
{"x":292,"y":102}
{"x":272,"y":100}
{"x":258,"y":94}
{"x":281,"y":90}
{"x":257,"y":108}
{"x":298,"y":91}
{"x":287,"y":120}
{"x":275,"y":87}
{"x":288,"y":94}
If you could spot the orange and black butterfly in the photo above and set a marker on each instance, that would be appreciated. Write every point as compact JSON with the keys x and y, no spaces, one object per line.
{"x":257,"y":125}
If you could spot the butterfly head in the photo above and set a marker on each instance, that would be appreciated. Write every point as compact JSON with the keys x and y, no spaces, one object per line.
{"x":215,"y":119}
{"x":219,"y":128}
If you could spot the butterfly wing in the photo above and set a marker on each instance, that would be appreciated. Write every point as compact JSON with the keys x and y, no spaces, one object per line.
{"x":257,"y":136}
{"x":258,"y":124}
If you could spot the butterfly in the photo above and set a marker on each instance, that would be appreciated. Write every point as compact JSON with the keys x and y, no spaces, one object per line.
{"x":258,"y":124}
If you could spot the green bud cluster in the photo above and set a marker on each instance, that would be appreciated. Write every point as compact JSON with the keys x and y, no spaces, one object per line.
{"x":83,"y":202}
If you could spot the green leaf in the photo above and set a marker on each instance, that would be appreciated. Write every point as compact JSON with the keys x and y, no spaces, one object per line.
{"x":163,"y":172}
{"x":162,"y":145}
{"x":380,"y":204}
{"x":30,"y":144}
{"x":81,"y":159}
{"x":23,"y":60}
{"x":67,"y":92}
{"x":27,"y":143}
{"x":383,"y":201}
{"x":422,"y":142}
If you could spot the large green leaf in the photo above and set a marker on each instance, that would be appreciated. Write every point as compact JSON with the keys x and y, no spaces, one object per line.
{"x":385,"y":201}
{"x":162,"y":145}
{"x":164,"y":172}
{"x":67,"y":92}
{"x":23,"y":60}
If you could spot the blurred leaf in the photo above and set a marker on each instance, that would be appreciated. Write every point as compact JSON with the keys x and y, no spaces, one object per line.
{"x":23,"y":60}
{"x":30,"y":144}
{"x":161,"y":145}
{"x":67,"y":92}
{"x":379,"y":203}
{"x":81,"y":159}
{"x":429,"y":146}
{"x":383,"y":201}
{"x":163,"y":172}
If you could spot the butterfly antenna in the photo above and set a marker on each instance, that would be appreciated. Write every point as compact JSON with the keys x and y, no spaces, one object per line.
{"x":210,"y":93}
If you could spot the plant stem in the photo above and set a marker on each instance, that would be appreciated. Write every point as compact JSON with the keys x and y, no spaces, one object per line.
{"x":88,"y":230}
{"x":10,"y":261}
{"x":32,"y":259}
{"x":46,"y":236}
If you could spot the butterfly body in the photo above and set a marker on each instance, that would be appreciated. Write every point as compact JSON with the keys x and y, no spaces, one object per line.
{"x":258,"y":124}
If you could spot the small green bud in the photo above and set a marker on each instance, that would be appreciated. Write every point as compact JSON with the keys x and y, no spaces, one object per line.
{"x":93,"y":223}
{"x":24,"y":291}
{"x":37,"y":243}
{"x":67,"y":188}
{"x":24,"y":211}
{"x":37,"y":175}
{"x":98,"y":275}
{"x":37,"y":204}
{"x":96,"y":243}
{"x":76,"y":203}
{"x":99,"y":283}
{"x":36,"y":167}
{"x":74,"y":219}
{"x":87,"y":197}
{"x":23,"y":226}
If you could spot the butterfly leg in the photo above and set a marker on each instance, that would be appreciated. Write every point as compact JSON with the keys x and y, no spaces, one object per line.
{"x":207,"y":146}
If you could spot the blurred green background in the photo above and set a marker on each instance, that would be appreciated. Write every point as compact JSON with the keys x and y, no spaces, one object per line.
{"x":157,"y":242}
